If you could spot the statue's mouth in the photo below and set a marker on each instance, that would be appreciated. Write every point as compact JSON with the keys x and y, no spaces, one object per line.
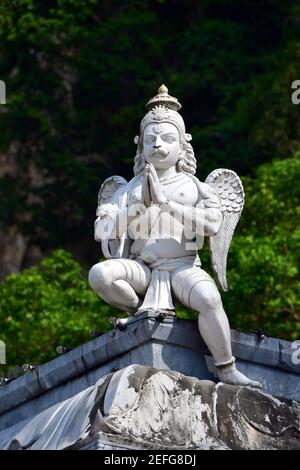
{"x":160,"y":153}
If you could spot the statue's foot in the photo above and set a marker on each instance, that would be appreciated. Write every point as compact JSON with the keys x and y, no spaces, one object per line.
{"x":230,"y":375}
{"x":126,"y":320}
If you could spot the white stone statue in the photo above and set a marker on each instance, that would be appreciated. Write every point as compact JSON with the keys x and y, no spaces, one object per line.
{"x":150,"y":229}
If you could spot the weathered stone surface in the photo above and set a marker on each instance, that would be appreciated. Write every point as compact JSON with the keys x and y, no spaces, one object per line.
{"x":167,"y":407}
{"x":171,"y":344}
{"x":251,"y":419}
{"x":142,"y":407}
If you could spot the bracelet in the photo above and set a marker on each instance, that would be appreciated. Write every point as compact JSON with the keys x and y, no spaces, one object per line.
{"x":165,"y":205}
{"x":226,"y":363}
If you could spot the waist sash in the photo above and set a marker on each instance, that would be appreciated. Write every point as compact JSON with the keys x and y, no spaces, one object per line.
{"x":159,"y":295}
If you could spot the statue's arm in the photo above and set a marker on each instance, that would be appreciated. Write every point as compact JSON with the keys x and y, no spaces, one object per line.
{"x":121,"y":221}
{"x":113,"y":221}
{"x":201,"y":220}
{"x":110,"y":223}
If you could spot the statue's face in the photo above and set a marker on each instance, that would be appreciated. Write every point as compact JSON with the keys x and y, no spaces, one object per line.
{"x":161,"y":145}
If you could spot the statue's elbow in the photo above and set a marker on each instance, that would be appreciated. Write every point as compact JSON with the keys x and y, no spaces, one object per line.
{"x":212,"y":231}
{"x":104,"y":228}
{"x":97,"y":238}
{"x":97,"y":234}
{"x":214,"y":220}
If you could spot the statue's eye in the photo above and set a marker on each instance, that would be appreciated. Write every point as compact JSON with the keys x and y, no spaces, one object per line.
{"x":169,"y":138}
{"x":149,"y":139}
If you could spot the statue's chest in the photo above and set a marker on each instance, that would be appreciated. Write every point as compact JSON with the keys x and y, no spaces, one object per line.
{"x":184,"y":192}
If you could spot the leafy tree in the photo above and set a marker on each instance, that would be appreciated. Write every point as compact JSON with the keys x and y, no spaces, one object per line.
{"x":78,"y":74}
{"x":52,"y":303}
{"x":46,"y":306}
{"x":265,"y":257}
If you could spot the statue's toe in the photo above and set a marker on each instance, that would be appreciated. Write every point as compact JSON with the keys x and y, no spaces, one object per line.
{"x":126,"y":320}
{"x":233,"y":376}
{"x":255,"y":384}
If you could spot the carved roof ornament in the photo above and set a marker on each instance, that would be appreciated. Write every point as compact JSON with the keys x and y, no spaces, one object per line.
{"x":210,"y":208}
{"x":163,"y":99}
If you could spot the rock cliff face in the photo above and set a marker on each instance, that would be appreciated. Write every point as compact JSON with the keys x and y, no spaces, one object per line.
{"x":16,"y":249}
{"x":12,"y":250}
{"x":141,"y":407}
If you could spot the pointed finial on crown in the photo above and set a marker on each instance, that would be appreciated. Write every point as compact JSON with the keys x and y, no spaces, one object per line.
{"x":163,"y":99}
{"x":162,"y":89}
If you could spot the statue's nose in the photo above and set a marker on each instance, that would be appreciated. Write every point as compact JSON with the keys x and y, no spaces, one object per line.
{"x":156,"y":146}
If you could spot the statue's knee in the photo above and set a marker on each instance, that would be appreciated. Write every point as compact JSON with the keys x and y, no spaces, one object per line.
{"x":177,"y":281}
{"x":210,"y":299}
{"x":99,"y":278}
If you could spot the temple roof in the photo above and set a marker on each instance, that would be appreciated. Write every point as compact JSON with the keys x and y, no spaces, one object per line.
{"x":173,"y":344}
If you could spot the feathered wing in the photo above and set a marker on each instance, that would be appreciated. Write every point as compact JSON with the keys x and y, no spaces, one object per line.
{"x":229,"y":188}
{"x":108,"y":191}
{"x":110,"y":199}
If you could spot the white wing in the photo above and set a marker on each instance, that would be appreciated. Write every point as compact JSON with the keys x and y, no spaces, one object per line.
{"x":230,"y":190}
{"x":108,"y":191}
{"x":108,"y":203}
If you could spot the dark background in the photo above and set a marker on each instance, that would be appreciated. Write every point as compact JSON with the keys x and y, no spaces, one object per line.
{"x":78,"y":74}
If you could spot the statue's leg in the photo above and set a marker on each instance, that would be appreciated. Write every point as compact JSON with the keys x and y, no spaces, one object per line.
{"x":195,"y":289}
{"x":120,"y":282}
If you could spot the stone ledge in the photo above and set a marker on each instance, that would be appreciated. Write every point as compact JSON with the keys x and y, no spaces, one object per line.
{"x":72,"y":364}
{"x":140,"y":407}
{"x":171,"y":333}
{"x":270,"y":351}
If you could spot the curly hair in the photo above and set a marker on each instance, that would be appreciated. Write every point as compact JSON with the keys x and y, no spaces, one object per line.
{"x":187,"y":162}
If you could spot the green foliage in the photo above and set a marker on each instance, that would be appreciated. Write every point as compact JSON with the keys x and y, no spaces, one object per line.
{"x":52,"y":303}
{"x":264,"y":261}
{"x":78,"y":74}
{"x":264,"y":258}
{"x":48,"y":305}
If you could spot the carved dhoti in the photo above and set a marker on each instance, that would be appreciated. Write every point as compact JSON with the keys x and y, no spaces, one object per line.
{"x":159,"y":293}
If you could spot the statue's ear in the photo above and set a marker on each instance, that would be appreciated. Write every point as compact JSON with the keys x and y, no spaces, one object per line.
{"x":138,"y":141}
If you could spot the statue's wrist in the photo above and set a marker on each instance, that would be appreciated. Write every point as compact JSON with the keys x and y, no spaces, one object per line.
{"x":164,"y":206}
